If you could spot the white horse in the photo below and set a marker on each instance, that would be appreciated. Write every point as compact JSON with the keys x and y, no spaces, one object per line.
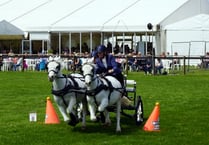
{"x":68,"y":91}
{"x":103,"y":92}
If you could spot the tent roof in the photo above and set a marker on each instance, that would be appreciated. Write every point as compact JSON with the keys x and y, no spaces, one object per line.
{"x":119,"y":15}
{"x":8,"y":29}
{"x":87,"y":15}
{"x":198,"y":22}
{"x":193,"y":15}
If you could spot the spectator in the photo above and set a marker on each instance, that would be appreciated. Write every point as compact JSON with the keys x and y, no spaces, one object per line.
{"x":41,"y":65}
{"x":1,"y":62}
{"x":18,"y":64}
{"x":25,"y":66}
{"x":158,"y":66}
{"x":11,"y":53}
{"x":175,"y":60}
{"x":148,"y":65}
{"x":206,"y":60}
{"x":78,"y":63}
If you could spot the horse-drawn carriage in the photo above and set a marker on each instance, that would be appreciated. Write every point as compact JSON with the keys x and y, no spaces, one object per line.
{"x":135,"y":101}
{"x":101,"y":94}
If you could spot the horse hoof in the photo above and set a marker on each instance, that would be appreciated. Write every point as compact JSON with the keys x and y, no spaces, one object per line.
{"x":95,"y":119}
{"x":102,"y":117}
{"x":108,"y":124}
{"x":74,"y":120}
{"x":73,"y":123}
{"x":83,"y":128}
{"x":118,"y":131}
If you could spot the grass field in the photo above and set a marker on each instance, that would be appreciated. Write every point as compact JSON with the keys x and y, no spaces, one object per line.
{"x":184,"y":114}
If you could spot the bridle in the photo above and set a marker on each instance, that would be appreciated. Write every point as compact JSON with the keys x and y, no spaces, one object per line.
{"x":99,"y":86}
{"x":92,"y":76}
{"x":56,"y":71}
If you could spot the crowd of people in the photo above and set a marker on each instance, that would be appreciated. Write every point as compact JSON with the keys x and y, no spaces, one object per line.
{"x":15,"y":62}
{"x":113,"y":62}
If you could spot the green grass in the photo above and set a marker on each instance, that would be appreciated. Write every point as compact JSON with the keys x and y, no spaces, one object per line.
{"x":184,"y":105}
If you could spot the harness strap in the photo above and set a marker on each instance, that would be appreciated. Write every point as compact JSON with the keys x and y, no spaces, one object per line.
{"x":111,"y":88}
{"x":61,"y":92}
{"x":96,"y":90}
{"x":68,"y":88}
{"x":74,"y":82}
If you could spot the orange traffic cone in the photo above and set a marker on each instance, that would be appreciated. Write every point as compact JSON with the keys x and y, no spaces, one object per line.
{"x":51,"y":115}
{"x":153,"y":122}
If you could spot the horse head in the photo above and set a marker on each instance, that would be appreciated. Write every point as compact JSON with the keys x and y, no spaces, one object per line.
{"x":88,"y":72}
{"x":53,"y":67}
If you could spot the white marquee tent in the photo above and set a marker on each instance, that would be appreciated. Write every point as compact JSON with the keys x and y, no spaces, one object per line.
{"x":188,"y":28}
{"x":169,"y":17}
{"x":86,"y":15}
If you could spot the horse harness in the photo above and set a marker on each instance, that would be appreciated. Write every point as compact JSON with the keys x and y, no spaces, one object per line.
{"x":95,"y":91}
{"x":69,"y":87}
{"x":101,"y":87}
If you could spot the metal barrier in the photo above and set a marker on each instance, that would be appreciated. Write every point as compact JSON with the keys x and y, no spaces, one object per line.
{"x":185,"y":61}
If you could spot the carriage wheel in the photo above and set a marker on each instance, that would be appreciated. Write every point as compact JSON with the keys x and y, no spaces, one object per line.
{"x":139,"y":112}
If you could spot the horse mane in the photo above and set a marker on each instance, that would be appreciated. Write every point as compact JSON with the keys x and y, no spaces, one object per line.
{"x":90,"y":63}
{"x":56,"y":59}
{"x":90,"y":60}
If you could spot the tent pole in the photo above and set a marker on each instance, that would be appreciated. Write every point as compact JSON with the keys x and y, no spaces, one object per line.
{"x":69,"y":44}
{"x":43,"y":51}
{"x":101,"y":41}
{"x":123,"y":43}
{"x":80,"y":42}
{"x":146,"y":43}
{"x":112,"y":42}
{"x":91,"y":42}
{"x":30,"y":43}
{"x":22,"y":45}
{"x":134,"y":43}
{"x":59,"y":43}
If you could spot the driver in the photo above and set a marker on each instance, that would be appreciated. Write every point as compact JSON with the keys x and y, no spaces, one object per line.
{"x":105,"y":63}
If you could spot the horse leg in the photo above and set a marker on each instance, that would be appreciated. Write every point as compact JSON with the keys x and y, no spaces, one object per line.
{"x":102,"y":109}
{"x":73,"y":116}
{"x":92,"y":108}
{"x":79,"y":111}
{"x":61,"y":108}
{"x":118,"y":105}
{"x":74,"y":120}
{"x":102,"y":117}
{"x":107,"y":118}
{"x":64,"y":113}
{"x":103,"y":105}
{"x":84,"y":112}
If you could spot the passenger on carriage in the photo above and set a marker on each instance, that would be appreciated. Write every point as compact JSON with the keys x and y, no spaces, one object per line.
{"x":106,"y":64}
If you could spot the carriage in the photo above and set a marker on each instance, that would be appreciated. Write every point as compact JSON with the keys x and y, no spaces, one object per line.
{"x":131,"y":102}
{"x":66,"y":94}
{"x":110,"y":95}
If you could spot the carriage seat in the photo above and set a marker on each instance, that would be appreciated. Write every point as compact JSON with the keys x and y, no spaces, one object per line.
{"x":130,"y":85}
